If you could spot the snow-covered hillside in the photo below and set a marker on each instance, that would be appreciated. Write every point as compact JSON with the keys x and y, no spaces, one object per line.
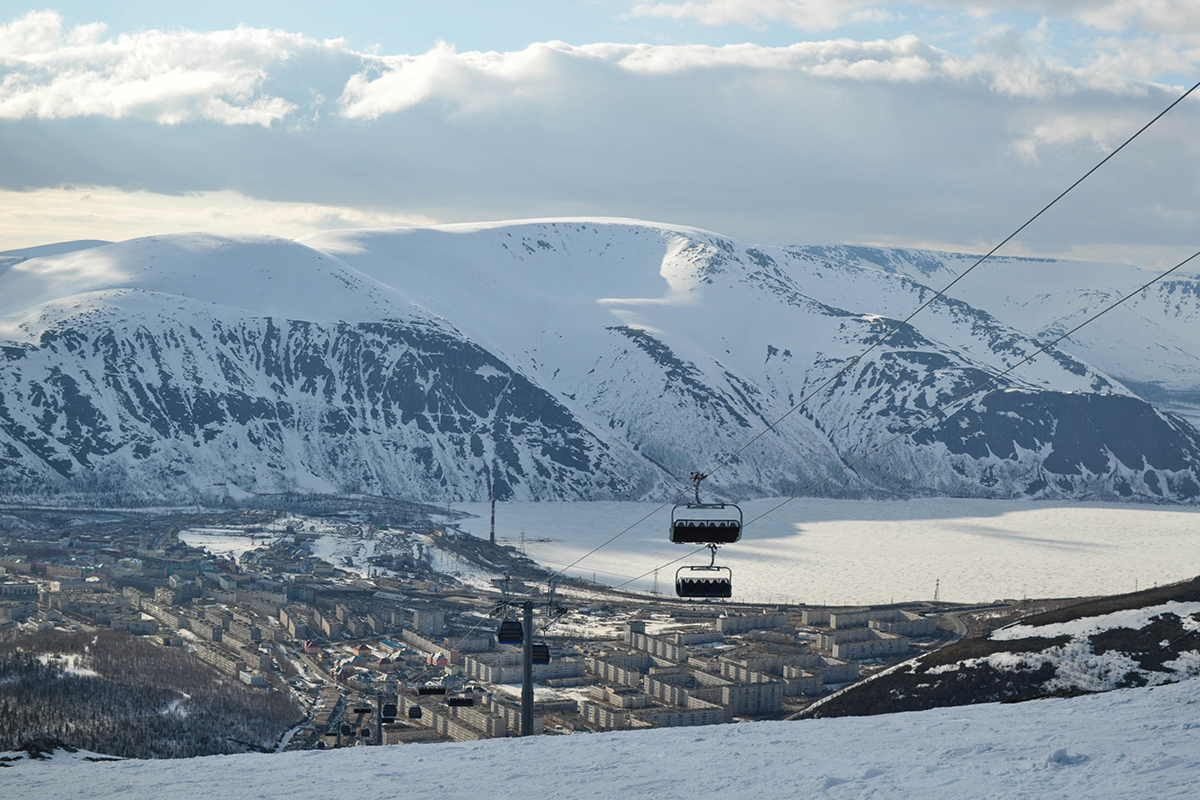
{"x":1151,"y":343}
{"x":1124,"y":744}
{"x":1146,"y":638}
{"x":560,"y":359}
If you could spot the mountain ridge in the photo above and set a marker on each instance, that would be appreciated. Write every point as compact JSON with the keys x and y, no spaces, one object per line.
{"x":556,"y":359}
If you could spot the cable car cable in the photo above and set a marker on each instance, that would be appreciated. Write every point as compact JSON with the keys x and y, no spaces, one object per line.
{"x":950,"y":285}
{"x":892,"y":330}
{"x":942,"y":409}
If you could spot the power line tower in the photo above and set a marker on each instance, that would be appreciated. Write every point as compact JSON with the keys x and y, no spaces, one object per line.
{"x":655,"y":589}
{"x":937,"y":590}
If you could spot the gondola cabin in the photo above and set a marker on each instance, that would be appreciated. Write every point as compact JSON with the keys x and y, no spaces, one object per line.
{"x":414,"y":712}
{"x":541,"y":654}
{"x":458,"y":701}
{"x":510,"y":632}
{"x":389,"y":712}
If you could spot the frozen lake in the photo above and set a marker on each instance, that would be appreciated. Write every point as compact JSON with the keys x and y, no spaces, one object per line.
{"x":849,"y":552}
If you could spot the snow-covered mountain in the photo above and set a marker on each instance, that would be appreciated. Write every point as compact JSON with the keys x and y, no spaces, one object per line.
{"x":561,"y":359}
{"x":1149,"y":343}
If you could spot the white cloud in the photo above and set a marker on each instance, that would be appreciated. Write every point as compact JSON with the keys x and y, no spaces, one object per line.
{"x":47,"y":215}
{"x":168,"y":77}
{"x":837,"y":140}
{"x":477,"y":82}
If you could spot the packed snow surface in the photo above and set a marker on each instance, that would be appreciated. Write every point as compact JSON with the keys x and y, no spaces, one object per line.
{"x":844,"y":552}
{"x":1129,"y":743}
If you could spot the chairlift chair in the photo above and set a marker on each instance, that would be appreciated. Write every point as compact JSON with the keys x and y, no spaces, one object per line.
{"x":460,"y":700}
{"x":709,"y":582}
{"x":705,"y":523}
{"x":431,"y":688}
{"x":362,"y":709}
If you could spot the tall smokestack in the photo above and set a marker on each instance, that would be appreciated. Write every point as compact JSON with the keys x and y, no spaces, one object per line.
{"x":492,"y":537}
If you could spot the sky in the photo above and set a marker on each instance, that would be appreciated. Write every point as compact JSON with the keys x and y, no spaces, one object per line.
{"x":930,"y":124}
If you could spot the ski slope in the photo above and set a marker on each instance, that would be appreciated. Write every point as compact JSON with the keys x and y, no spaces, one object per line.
{"x":1132,"y":743}
{"x":848,"y":552}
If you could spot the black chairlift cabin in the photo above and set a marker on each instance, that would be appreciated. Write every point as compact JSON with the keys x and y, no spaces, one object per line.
{"x":705,"y":523}
{"x":510,"y":632}
{"x":541,"y":654}
{"x":388,"y":714}
{"x":414,"y":712}
{"x":704,"y":583}
{"x":460,"y":700}
{"x":362,"y":708}
{"x":345,"y":729}
{"x":365,"y":733}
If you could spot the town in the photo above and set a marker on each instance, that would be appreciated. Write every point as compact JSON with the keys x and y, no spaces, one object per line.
{"x":364,"y":623}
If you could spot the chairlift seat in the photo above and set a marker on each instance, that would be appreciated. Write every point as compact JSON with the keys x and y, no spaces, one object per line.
{"x":704,"y":582}
{"x":362,"y":709}
{"x":459,"y":701}
{"x":431,"y":689}
{"x":706,"y":523}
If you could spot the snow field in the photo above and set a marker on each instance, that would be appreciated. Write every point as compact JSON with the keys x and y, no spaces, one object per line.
{"x":845,"y":552}
{"x":1129,"y":743}
{"x":232,"y":542}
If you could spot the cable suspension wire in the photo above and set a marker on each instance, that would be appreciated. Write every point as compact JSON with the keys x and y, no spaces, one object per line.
{"x":943,"y":408}
{"x":850,"y":364}
{"x":941,"y":292}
